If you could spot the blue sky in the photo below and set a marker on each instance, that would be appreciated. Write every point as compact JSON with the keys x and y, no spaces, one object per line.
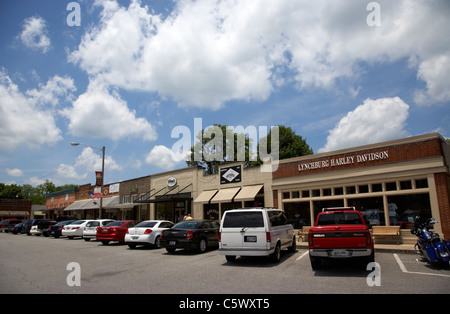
{"x":134,"y":70}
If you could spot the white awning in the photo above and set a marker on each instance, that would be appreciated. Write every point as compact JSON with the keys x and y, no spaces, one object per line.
{"x":248,"y":193}
{"x":92,"y":203}
{"x":205,"y":196}
{"x":225,"y":195}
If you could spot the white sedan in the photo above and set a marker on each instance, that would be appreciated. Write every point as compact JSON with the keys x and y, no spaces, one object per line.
{"x":90,"y":229}
{"x":147,"y":233}
{"x":75,"y":229}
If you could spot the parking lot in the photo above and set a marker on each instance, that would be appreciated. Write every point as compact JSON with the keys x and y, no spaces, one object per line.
{"x":30,"y":264}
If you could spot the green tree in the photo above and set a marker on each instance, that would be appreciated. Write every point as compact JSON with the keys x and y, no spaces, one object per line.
{"x":11,"y":191}
{"x":290,"y":144}
{"x":217,"y":145}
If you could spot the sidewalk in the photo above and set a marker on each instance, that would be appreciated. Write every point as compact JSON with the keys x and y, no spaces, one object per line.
{"x":382,"y":248}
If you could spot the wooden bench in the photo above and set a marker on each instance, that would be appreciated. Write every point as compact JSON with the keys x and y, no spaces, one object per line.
{"x":303,"y":233}
{"x":393,"y":231}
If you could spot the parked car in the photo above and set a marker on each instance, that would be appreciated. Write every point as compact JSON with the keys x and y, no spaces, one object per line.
{"x":147,"y":232}
{"x":114,"y":231}
{"x":75,"y":229}
{"x":40,"y":226}
{"x":26,"y":226}
{"x":7,"y":224}
{"x":56,"y":230}
{"x":90,"y":230}
{"x":255,"y":232}
{"x":191,"y":235}
{"x":17,"y":228}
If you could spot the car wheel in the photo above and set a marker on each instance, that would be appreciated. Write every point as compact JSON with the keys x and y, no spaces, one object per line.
{"x":87,"y":239}
{"x":276,"y":256}
{"x":202,"y":245}
{"x":157,"y":243}
{"x":170,"y":250}
{"x":230,"y":258}
{"x":105,"y":242}
{"x":316,"y":263}
{"x":131,"y":245}
{"x":293,"y":247}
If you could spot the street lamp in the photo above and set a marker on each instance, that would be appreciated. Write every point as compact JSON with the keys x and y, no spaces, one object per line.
{"x":103,"y":171}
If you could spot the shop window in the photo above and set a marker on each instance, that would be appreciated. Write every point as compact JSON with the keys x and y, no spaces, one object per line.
{"x":305,"y":193}
{"x":319,"y":205}
{"x":403,"y":209}
{"x":316,"y":193}
{"x":363,"y":188}
{"x":391,"y":186}
{"x":405,"y":185}
{"x":350,"y":189}
{"x":298,"y":214}
{"x":326,"y":192}
{"x":371,"y":209}
{"x":421,"y":183}
{"x":296,"y":194}
{"x":286,"y":195}
{"x":338,"y":191}
{"x":377,"y":187}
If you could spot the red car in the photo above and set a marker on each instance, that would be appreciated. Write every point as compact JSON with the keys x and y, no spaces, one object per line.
{"x":114,"y":231}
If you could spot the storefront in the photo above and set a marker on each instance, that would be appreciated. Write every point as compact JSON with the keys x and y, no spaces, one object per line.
{"x":390,"y":183}
{"x":189,"y":191}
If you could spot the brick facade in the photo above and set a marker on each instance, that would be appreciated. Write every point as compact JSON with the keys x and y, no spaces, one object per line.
{"x":442,"y":180}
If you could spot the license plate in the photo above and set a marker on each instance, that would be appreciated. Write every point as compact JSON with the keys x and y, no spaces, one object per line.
{"x":134,"y":238}
{"x":250,"y":239}
{"x":172,"y":242}
{"x":341,"y":253}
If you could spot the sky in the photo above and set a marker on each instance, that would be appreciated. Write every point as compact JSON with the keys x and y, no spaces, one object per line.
{"x":126,"y":74}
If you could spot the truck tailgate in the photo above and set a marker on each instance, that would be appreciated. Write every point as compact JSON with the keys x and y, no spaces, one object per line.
{"x":343,"y":236}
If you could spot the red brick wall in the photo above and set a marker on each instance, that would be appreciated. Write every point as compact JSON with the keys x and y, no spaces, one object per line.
{"x":442,"y":189}
{"x":400,"y":152}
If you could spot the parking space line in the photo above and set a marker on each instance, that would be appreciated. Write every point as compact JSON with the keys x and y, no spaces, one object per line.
{"x":403,"y":268}
{"x":301,"y":256}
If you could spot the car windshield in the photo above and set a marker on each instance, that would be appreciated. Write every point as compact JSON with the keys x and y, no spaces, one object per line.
{"x":339,"y":218}
{"x":243,"y":220}
{"x":116,"y":224}
{"x":186,"y":225}
{"x":146,"y":224}
{"x":78,"y":222}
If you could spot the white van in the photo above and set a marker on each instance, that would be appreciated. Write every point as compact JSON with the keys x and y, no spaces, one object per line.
{"x":255,"y":232}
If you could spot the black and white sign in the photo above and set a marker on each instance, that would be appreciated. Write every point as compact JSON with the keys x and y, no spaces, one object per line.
{"x":230,"y":175}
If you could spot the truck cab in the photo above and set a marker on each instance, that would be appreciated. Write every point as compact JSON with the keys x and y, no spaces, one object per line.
{"x":340,"y":232}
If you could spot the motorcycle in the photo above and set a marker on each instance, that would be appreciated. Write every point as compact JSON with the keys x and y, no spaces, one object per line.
{"x":429,"y":244}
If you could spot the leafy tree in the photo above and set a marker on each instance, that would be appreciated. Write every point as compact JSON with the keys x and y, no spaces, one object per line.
{"x":11,"y":191}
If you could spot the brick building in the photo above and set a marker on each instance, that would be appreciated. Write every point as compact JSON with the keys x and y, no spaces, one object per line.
{"x":390,"y":182}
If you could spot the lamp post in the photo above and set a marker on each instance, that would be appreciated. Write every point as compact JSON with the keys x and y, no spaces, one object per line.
{"x":103,"y":171}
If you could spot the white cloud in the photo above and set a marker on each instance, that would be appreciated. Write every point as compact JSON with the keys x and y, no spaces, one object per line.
{"x":374,"y":121}
{"x":162,"y":157}
{"x":14,"y":172}
{"x":34,"y":34}
{"x":101,"y":113}
{"x":209,"y":52}
{"x":27,"y":118}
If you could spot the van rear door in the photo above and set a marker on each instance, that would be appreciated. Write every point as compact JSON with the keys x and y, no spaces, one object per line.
{"x":243,"y":229}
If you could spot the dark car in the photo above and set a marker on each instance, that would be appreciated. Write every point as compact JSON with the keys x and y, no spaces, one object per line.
{"x":191,"y":235}
{"x":17,"y":228}
{"x":8,"y":224}
{"x":27,"y":226}
{"x":56,"y":230}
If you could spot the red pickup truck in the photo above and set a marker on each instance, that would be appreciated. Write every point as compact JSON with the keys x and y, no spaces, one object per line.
{"x":340,"y":233}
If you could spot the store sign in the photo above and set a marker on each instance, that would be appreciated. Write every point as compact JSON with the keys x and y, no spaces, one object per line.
{"x":98,"y":178}
{"x":342,"y":161}
{"x":230,"y":175}
{"x":172,"y":181}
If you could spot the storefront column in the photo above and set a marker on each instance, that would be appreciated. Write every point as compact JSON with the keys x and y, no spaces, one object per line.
{"x":311,"y":212}
{"x":386,"y":210}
